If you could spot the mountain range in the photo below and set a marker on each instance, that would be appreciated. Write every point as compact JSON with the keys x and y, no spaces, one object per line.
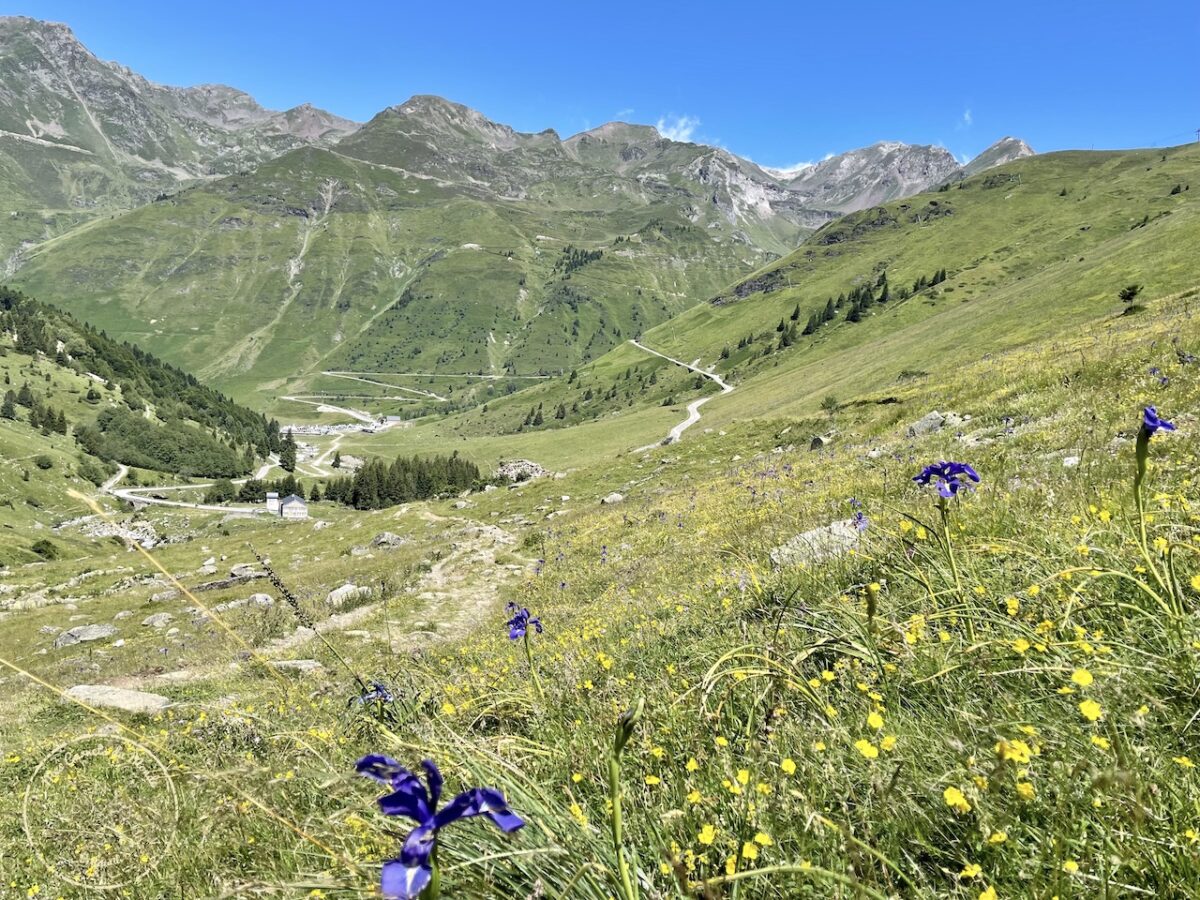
{"x":248,"y":244}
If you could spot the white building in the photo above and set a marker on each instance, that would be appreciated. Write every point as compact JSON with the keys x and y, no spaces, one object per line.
{"x":293,"y":507}
{"x":273,"y":502}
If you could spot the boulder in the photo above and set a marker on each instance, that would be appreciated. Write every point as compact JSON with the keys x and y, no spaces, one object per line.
{"x":82,"y":634}
{"x":612,"y":498}
{"x":339,"y":597}
{"x":818,"y":442}
{"x":244,"y":570}
{"x":158,"y":620}
{"x":263,"y":600}
{"x":105,"y":697}
{"x":164,"y":596}
{"x":388,"y":539}
{"x":817,"y":544}
{"x":934,"y":421}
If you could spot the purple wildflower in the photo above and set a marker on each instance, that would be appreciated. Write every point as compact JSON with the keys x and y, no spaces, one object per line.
{"x":410,"y":873}
{"x":519,"y":624}
{"x":1152,"y":423}
{"x":947,"y":476}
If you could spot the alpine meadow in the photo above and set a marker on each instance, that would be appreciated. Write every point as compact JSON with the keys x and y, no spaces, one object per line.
{"x":689,"y":526}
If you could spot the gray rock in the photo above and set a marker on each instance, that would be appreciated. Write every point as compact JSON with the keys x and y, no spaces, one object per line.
{"x":320,"y":525}
{"x":164,"y":596}
{"x":817,"y":544}
{"x":935,"y":421}
{"x":158,"y":620}
{"x":299,"y":666}
{"x":612,"y":498}
{"x":105,"y":697}
{"x":245,"y":570}
{"x":123,"y":614}
{"x":388,"y":539}
{"x":818,"y":442}
{"x":1070,"y":462}
{"x":207,"y":570}
{"x":82,"y":634}
{"x":341,"y":596}
{"x":263,"y":600}
{"x":49,"y":629}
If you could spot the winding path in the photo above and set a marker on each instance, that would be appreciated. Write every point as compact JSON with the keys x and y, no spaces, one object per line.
{"x":693,"y":408}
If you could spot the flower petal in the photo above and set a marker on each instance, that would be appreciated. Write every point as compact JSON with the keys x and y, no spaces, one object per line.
{"x":433,"y":776}
{"x":476,"y":802}
{"x":383,"y":769}
{"x":405,"y":880}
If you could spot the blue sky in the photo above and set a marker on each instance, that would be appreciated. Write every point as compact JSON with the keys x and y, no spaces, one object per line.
{"x":779,"y":82}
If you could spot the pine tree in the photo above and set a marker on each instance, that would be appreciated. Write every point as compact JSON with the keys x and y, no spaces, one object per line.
{"x":537,"y":419}
{"x":796,"y":313}
{"x":811,"y":327}
{"x":287,"y":453}
{"x":337,"y":459}
{"x":25,"y":396}
{"x":8,"y":409}
{"x":830,"y":313}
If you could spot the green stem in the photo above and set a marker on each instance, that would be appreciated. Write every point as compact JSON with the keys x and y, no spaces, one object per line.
{"x":944,"y":508}
{"x":537,"y":682}
{"x":614,"y":794}
{"x":434,"y":890}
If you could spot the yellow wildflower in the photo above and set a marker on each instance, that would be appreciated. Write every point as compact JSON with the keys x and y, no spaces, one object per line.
{"x":956,"y":800}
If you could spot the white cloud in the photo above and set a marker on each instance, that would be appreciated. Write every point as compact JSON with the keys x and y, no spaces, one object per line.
{"x":622,"y":114}
{"x":966,"y":121}
{"x":677,"y":128}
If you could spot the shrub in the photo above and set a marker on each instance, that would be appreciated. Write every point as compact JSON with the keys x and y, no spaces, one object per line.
{"x":45,"y":549}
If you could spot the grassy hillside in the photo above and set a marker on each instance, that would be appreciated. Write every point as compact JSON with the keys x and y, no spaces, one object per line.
{"x":321,"y":261}
{"x":992,"y":702}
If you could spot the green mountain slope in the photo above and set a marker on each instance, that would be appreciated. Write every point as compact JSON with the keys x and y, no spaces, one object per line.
{"x":81,"y":137}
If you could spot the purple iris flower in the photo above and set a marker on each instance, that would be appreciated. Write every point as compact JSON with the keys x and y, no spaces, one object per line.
{"x":521,"y":621}
{"x":377,"y":693}
{"x":947,"y":476}
{"x":1152,"y":423}
{"x":410,"y":873}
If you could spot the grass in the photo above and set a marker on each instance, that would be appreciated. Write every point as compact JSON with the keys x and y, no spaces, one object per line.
{"x":884,"y":723}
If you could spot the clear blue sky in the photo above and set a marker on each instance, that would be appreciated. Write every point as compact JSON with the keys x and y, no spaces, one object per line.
{"x":779,"y":82}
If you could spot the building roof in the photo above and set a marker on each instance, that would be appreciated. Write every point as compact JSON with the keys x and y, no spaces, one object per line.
{"x":272,"y":495}
{"x":292,"y":498}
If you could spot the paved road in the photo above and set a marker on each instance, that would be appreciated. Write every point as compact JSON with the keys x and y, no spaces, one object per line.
{"x":693,"y":408}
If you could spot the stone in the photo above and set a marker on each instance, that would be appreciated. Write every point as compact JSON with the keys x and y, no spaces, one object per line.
{"x":106,"y":697}
{"x":935,"y":421}
{"x":388,"y":539}
{"x":461,"y":504}
{"x":612,"y":498}
{"x":49,"y":629}
{"x":82,"y":634}
{"x":164,"y":596}
{"x":207,"y":570}
{"x":341,"y":596}
{"x":263,"y":600}
{"x":320,"y":525}
{"x":817,"y":544}
{"x":1070,"y":462}
{"x":158,"y":620}
{"x":244,"y":570}
{"x":123,"y":614}
{"x":299,"y":666}
{"x":818,"y":442}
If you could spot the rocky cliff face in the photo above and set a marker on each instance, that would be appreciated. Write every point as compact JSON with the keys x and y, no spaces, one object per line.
{"x":1003,"y":151}
{"x":128,"y":134}
{"x":873,"y":175}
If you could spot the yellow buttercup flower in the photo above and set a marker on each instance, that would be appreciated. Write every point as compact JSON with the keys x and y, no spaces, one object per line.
{"x":956,"y":800}
{"x":1082,"y":677}
{"x":1090,"y":710}
{"x":788,"y":766}
{"x":866,"y":748}
{"x":707,"y":835}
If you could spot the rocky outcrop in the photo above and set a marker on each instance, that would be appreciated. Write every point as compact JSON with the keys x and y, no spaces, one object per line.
{"x":84,"y":634}
{"x":101,"y":696}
